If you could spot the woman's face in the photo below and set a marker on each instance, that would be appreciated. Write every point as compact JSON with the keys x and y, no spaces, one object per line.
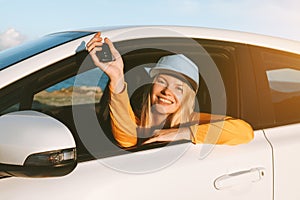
{"x":167,"y":93}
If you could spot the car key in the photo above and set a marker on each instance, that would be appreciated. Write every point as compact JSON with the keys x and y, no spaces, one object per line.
{"x":105,"y":55}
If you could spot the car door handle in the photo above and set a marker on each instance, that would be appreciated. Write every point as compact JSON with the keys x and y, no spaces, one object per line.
{"x":238,"y":178}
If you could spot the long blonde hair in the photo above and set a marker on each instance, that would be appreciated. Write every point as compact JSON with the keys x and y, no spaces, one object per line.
{"x":174,"y":120}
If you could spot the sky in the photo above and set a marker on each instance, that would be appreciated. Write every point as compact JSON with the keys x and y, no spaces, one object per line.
{"x":23,"y":20}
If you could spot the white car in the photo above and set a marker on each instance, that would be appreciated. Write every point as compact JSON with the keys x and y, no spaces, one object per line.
{"x":55,"y":137}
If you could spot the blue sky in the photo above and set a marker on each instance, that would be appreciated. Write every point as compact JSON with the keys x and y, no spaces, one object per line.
{"x":29,"y":19}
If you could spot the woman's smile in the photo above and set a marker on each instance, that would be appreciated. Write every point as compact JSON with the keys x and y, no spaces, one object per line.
{"x":162,"y":100}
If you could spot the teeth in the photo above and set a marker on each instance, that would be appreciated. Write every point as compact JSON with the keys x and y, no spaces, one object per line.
{"x":165,"y":100}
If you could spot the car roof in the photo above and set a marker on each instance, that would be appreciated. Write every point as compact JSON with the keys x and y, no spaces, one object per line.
{"x":119,"y":33}
{"x":122,"y":33}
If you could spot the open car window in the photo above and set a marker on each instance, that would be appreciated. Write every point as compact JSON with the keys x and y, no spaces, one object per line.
{"x":75,"y":92}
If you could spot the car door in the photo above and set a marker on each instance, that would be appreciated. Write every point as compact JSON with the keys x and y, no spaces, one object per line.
{"x":278,"y":75}
{"x":207,"y":171}
{"x":176,"y":170}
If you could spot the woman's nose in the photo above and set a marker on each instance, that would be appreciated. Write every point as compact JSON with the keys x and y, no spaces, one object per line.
{"x":166,"y":90}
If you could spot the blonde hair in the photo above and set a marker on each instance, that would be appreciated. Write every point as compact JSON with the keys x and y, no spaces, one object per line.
{"x":181,"y":116}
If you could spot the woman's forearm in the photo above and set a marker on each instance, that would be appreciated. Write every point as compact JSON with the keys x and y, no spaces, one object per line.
{"x":124,"y":127}
{"x":227,"y":131}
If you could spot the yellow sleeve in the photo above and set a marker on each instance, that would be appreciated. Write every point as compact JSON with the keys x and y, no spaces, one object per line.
{"x":227,"y":130}
{"x":123,"y":121}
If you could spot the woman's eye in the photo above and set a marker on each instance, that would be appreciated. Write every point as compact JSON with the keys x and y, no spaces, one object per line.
{"x":179,"y":89}
{"x":162,"y":82}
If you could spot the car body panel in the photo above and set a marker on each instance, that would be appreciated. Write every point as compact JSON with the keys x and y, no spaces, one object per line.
{"x":190,"y":176}
{"x":285,"y":141}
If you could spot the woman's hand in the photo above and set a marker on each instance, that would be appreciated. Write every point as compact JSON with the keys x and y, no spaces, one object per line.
{"x":113,"y":69}
{"x":168,"y":135}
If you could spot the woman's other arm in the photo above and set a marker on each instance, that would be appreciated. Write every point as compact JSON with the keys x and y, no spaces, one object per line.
{"x":209,"y":129}
{"x":221,"y":130}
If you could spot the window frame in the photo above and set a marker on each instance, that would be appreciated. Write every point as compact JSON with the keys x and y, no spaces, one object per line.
{"x":268,"y":114}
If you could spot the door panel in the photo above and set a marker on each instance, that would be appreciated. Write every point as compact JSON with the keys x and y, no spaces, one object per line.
{"x":286,"y":144}
{"x":187,"y":177}
{"x":278,"y":78}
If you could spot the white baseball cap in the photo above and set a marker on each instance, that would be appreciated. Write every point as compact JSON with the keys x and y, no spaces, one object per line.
{"x":177,"y":63}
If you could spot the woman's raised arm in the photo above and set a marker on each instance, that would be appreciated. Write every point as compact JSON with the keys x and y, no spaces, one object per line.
{"x":113,"y":69}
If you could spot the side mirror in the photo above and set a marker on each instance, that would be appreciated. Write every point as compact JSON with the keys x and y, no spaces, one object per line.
{"x":33,"y":144}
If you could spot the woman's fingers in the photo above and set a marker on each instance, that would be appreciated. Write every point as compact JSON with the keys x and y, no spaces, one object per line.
{"x":168,"y":135}
{"x":97,"y":38}
{"x":94,"y":45}
{"x":94,"y":50}
{"x":96,"y":41}
{"x":113,"y":69}
{"x":94,"y":56}
{"x":151,"y":140}
{"x":98,"y":34}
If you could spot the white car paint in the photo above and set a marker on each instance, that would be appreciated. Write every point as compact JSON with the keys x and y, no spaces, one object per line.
{"x":285,"y":141}
{"x":189,"y":177}
{"x":27,"y":132}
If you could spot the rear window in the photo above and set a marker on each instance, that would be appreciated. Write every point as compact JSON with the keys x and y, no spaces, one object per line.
{"x":283,"y":74}
{"x":14,"y":55}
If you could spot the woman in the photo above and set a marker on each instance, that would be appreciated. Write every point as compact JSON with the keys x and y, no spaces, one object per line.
{"x":167,"y":109}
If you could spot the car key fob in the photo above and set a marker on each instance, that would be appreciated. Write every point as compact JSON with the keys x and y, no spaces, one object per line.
{"x":105,"y":55}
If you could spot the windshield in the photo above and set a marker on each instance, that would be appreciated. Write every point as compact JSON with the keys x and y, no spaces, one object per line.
{"x":14,"y":55}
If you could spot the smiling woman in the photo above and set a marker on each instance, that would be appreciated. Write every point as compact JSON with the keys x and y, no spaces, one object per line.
{"x":167,"y":111}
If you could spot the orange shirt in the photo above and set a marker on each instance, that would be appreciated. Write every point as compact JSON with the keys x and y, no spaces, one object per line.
{"x":210,"y":129}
